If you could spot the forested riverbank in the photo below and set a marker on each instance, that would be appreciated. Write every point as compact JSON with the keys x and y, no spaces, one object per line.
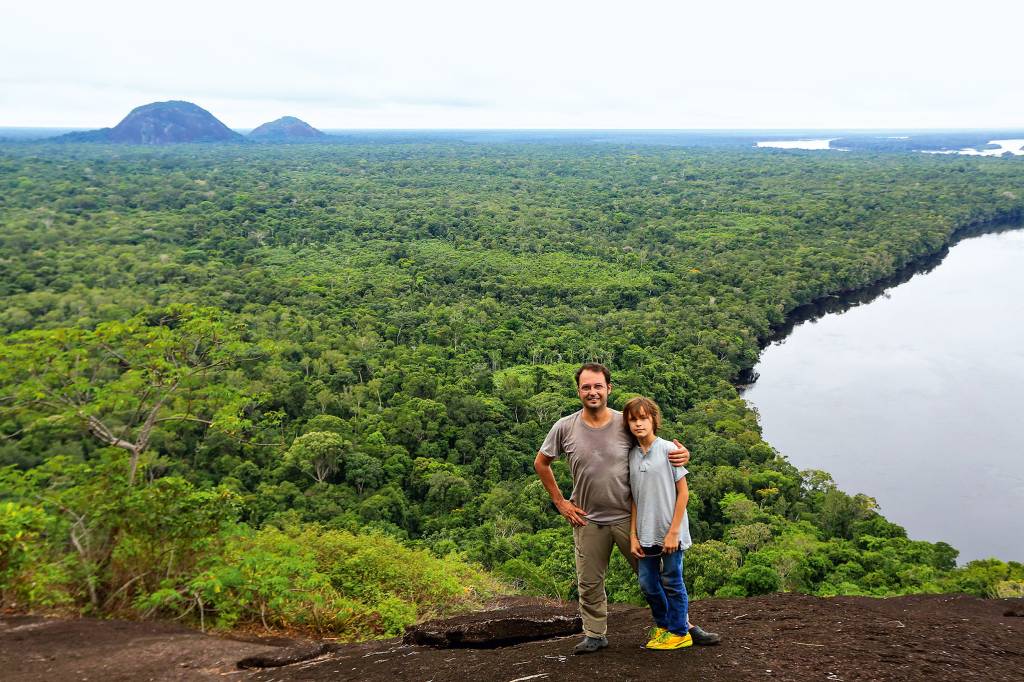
{"x":840,"y":301}
{"x":238,"y":382}
{"x":881,"y":393}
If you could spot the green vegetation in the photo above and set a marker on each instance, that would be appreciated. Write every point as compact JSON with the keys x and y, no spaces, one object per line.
{"x":304,"y":386}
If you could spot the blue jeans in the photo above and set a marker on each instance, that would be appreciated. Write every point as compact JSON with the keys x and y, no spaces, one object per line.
{"x":661,"y":581}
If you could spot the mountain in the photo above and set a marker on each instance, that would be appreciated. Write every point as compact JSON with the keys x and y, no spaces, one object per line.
{"x":286,"y":129}
{"x":161,"y":123}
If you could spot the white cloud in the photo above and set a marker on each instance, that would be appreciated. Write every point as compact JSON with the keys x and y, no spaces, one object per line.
{"x":523,"y":64}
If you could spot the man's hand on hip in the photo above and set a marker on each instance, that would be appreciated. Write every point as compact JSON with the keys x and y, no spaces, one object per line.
{"x":572,"y":513}
{"x":679,"y":457}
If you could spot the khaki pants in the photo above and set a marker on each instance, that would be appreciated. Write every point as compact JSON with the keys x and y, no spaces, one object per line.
{"x":593,"y":551}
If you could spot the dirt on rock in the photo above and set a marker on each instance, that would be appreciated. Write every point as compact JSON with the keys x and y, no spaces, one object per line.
{"x":53,"y":649}
{"x":780,"y":637}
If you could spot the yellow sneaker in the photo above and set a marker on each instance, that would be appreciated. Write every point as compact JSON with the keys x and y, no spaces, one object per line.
{"x":656,"y":634}
{"x":671,"y":641}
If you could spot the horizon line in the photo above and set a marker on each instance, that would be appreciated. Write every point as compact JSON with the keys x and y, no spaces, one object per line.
{"x":590,"y":129}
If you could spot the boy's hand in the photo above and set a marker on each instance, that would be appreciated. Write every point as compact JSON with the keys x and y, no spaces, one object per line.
{"x":671,"y":543}
{"x":634,"y":547}
{"x":679,"y":457}
{"x":573,"y":514}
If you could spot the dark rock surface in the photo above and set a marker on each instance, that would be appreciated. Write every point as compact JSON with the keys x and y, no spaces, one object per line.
{"x":286,"y":129}
{"x":161,"y":123}
{"x":37,"y":649}
{"x":776,"y":637}
{"x":287,"y":655}
{"x":498,"y":627}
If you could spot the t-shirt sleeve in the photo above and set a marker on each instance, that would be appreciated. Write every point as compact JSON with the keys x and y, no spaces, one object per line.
{"x":552,"y":446}
{"x":679,"y":472}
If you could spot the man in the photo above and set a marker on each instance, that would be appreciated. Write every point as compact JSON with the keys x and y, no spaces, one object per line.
{"x":597,"y":448}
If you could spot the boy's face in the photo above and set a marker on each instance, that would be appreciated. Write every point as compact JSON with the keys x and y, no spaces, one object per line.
{"x":641,"y":425}
{"x":593,"y":389}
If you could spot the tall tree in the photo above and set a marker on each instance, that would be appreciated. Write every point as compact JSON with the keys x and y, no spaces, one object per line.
{"x":120,"y":381}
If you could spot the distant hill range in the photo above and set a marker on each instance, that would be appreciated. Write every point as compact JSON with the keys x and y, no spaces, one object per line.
{"x":161,"y":123}
{"x":286,"y":129}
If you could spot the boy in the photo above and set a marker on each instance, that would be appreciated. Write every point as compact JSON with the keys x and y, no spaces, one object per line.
{"x":659,"y":528}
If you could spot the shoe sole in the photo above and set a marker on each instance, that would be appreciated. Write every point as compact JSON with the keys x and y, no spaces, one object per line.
{"x":582,"y":652}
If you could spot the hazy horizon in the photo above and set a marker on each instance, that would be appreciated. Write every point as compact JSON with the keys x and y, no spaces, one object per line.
{"x":457,"y":65}
{"x":737,"y":131}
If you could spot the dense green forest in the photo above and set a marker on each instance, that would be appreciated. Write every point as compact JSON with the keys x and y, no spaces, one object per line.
{"x":304,"y":386}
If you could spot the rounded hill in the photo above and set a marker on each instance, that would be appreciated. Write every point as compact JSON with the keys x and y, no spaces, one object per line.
{"x":286,"y":129}
{"x":157,"y":123}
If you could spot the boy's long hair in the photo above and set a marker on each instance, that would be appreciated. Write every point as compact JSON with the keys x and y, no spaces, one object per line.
{"x":641,"y":407}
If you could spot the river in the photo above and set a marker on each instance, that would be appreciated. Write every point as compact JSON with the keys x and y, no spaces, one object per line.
{"x":912,"y":393}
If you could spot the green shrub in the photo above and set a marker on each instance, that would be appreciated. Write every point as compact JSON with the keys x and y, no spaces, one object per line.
{"x":709,"y":566}
{"x":1008,"y":589}
{"x":331,"y":582}
{"x":982,"y":576}
{"x":29,"y":577}
{"x":731,"y":590}
{"x":20,"y":526}
{"x":757,"y":579}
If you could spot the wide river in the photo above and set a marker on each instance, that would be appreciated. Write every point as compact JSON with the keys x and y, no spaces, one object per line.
{"x":916,"y":398}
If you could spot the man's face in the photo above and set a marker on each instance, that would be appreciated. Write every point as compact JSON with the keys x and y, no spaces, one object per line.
{"x":593,"y":390}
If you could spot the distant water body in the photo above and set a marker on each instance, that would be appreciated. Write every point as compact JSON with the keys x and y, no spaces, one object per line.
{"x":916,"y":398}
{"x":1014,"y":147}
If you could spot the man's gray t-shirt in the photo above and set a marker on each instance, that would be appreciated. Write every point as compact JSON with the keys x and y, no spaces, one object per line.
{"x":599,"y":462}
{"x":652,"y":481}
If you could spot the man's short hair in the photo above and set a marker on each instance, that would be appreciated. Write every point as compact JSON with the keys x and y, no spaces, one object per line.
{"x":594,"y":367}
{"x":641,"y":407}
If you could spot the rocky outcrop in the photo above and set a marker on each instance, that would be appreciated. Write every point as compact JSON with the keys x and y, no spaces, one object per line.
{"x":161,"y":123}
{"x":286,"y":129}
{"x":287,"y":655}
{"x":495,"y":628}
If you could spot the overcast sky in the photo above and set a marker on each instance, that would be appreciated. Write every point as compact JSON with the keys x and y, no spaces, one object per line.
{"x":524,"y":64}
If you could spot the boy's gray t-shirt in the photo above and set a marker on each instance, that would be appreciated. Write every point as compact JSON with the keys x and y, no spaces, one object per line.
{"x":599,"y":462}
{"x":652,"y":482}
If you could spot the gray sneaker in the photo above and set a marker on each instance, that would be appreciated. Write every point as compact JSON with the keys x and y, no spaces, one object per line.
{"x":590,"y":644}
{"x":704,"y":638}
